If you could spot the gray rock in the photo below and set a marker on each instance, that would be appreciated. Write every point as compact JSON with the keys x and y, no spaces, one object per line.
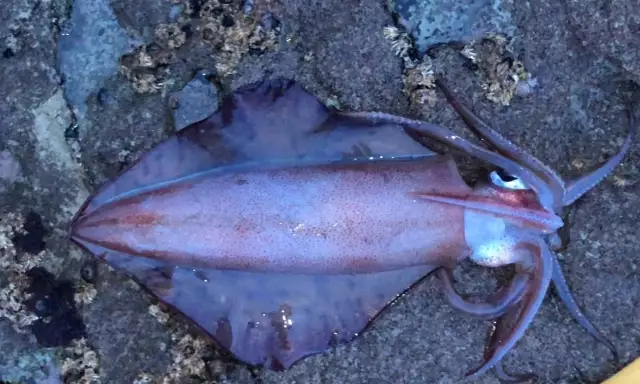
{"x":140,"y":17}
{"x":10,"y":170}
{"x":197,"y":100}
{"x":89,"y":50}
{"x":437,"y":22}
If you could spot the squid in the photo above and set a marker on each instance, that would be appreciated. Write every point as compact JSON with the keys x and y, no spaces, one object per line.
{"x":282,"y":227}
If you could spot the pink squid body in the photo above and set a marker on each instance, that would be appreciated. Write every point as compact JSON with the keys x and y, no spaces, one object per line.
{"x":315,"y":219}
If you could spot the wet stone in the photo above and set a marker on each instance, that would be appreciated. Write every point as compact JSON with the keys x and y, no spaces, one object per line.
{"x":196,"y":101}
{"x":436,"y":22}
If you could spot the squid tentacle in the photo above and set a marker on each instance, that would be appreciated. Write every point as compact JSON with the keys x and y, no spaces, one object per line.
{"x":562,"y":288}
{"x":448,"y":138}
{"x":502,"y":145}
{"x":511,"y":326}
{"x":582,"y":185}
{"x":496,"y":305}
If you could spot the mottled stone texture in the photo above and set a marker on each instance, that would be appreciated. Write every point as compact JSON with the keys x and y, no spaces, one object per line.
{"x":442,"y":21}
{"x":609,"y":29}
{"x":71,"y":117}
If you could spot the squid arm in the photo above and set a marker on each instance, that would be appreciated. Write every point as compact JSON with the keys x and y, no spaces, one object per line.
{"x":494,"y":306}
{"x":536,"y":260}
{"x":577,"y":188}
{"x":564,"y":194}
{"x":502,"y":145}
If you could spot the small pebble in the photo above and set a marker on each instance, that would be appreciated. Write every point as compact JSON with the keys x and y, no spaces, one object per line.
{"x":89,"y":271}
{"x":269,"y":22}
{"x":103,"y":96}
{"x":247,"y":7}
{"x":175,"y":12}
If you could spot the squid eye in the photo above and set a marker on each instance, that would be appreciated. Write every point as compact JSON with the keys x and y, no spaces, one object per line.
{"x":507,"y":181}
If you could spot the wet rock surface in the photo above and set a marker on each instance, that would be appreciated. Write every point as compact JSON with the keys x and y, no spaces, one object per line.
{"x":432,"y":23}
{"x":610,"y":29}
{"x":196,"y":101}
{"x":88,"y":86}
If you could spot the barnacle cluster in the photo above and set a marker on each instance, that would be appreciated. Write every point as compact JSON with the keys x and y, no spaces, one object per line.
{"x":418,"y":77}
{"x":224,"y":27}
{"x":419,"y":83}
{"x":156,"y":311}
{"x":400,"y":43}
{"x":504,"y":76}
{"x":147,"y":66}
{"x":13,"y":295}
{"x":233,"y":33}
{"x":188,"y":355}
{"x":84,"y":293}
{"x":192,"y":356}
{"x":144,"y":378}
{"x":81,"y":364}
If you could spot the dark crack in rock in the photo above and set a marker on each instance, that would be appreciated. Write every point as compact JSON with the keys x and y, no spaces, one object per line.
{"x":31,"y":239}
{"x":52,"y":300}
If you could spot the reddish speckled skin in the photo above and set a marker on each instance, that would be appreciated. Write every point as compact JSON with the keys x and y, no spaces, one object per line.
{"x":319,"y":219}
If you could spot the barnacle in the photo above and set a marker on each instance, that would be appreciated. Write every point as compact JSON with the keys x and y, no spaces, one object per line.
{"x":171,"y":34}
{"x":85,"y":293}
{"x":419,"y":83}
{"x":13,"y":295}
{"x":503,"y":75}
{"x":469,"y":53}
{"x":622,"y":182}
{"x":192,"y":356}
{"x":10,"y":170}
{"x":81,"y":364}
{"x":221,"y":24}
{"x":233,"y":34}
{"x":401,"y":45}
{"x":157,"y":312}
{"x":146,"y":83}
{"x":144,"y":378}
{"x":400,"y":42}
{"x":418,"y":77}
